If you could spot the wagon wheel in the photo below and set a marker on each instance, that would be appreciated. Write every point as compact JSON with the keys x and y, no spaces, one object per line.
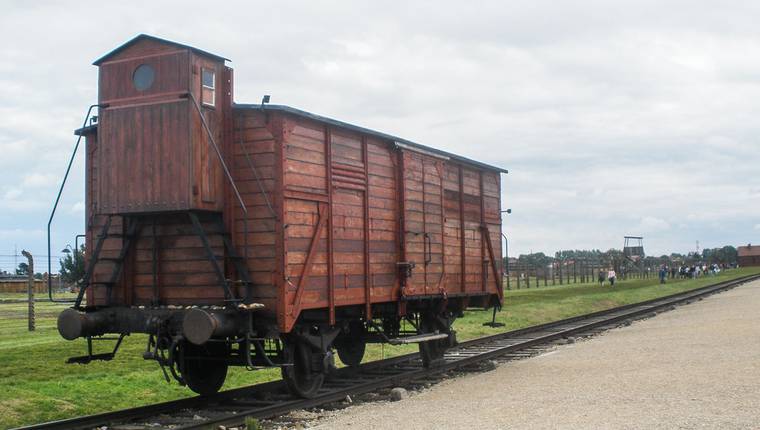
{"x":351,"y":346}
{"x":351,"y":353}
{"x":432,"y":351}
{"x":200,"y":371}
{"x":300,"y":375}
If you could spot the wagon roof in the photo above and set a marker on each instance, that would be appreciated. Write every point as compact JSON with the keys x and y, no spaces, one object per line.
{"x":141,"y":37}
{"x":359,"y":129}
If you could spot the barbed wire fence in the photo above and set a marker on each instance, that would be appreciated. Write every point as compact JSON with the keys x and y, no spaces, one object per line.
{"x":21,"y":293}
{"x":522,"y":274}
{"x":9,"y":263}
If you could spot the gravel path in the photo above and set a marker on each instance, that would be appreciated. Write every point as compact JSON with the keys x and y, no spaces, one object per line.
{"x":695,"y":367}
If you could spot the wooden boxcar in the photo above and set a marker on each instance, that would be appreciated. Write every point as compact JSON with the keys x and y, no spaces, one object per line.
{"x":263,"y":235}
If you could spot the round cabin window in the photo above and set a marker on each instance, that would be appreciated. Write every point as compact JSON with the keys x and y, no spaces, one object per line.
{"x":143,"y":77}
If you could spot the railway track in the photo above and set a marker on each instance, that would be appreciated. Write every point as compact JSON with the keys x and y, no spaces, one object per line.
{"x":231,"y":408}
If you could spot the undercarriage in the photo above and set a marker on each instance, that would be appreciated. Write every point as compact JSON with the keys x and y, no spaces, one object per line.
{"x":195,"y":346}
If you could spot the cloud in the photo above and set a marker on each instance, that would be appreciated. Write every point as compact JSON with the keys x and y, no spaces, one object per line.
{"x":77,"y":208}
{"x":653,"y":224}
{"x":20,"y":233}
{"x":40,"y":180}
{"x":609,"y":121}
{"x":757,"y":226}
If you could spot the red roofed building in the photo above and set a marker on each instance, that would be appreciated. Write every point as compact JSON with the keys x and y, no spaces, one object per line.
{"x":749,"y":255}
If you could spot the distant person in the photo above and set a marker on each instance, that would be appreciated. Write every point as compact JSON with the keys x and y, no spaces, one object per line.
{"x":601,"y":277}
{"x":663,"y":274}
{"x":611,"y":276}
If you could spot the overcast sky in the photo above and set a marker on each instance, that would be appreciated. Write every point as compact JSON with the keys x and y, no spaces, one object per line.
{"x":613,"y":118}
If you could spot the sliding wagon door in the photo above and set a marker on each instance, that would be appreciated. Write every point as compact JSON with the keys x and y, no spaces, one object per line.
{"x":423,"y":222}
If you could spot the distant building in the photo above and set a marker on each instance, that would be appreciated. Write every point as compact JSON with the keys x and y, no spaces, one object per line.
{"x":748,"y":255}
{"x":9,"y":285}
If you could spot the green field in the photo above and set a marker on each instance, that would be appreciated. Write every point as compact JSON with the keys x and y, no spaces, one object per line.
{"x":38,"y":386}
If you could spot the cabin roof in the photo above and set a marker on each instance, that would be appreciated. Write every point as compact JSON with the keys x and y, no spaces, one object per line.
{"x":398,"y":140}
{"x":141,"y":37}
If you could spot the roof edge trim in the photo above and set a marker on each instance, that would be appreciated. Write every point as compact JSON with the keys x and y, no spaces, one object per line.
{"x":394,"y":139}
{"x":143,"y":36}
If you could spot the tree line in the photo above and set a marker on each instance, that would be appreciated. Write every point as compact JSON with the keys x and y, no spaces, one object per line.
{"x":614,"y":257}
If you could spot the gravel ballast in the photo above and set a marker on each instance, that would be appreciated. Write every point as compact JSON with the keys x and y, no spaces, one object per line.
{"x":697,"y":366}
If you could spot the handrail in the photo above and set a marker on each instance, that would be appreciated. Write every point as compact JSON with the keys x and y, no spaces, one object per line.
{"x":55,"y":206}
{"x":258,"y":180}
{"x":505,"y":257}
{"x":218,"y":152}
{"x":194,"y":102}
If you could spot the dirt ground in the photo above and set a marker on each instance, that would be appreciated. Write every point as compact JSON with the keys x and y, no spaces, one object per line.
{"x":695,"y":367}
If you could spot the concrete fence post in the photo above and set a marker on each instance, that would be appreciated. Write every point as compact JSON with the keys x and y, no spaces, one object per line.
{"x":554,"y":280}
{"x":30,"y":288}
{"x":575,"y":272}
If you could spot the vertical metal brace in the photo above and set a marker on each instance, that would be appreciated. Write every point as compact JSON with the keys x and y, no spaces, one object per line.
{"x":91,"y":264}
{"x":154,"y":266}
{"x":210,"y":255}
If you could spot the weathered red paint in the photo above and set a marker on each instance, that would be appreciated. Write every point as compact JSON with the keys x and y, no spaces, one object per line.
{"x":331,"y":209}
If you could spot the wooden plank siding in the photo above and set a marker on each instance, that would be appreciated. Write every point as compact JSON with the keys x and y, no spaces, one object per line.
{"x":350,"y":258}
{"x":158,"y":151}
{"x":254,"y":154}
{"x":330,"y":213}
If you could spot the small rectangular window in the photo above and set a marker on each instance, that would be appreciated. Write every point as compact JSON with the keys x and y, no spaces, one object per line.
{"x":208,"y":87}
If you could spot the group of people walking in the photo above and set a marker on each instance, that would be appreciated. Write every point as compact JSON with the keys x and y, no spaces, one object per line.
{"x":682,"y":272}
{"x":607,"y":275}
{"x":688,"y":272}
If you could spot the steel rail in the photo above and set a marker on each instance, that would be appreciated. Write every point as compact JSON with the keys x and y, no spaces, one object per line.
{"x":266,"y":400}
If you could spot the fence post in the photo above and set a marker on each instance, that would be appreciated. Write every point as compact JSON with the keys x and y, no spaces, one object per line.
{"x":575,"y":272}
{"x":584,"y":271}
{"x":554,"y":280}
{"x":30,"y":288}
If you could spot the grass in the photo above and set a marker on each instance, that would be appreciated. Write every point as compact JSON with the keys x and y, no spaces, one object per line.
{"x":38,"y":386}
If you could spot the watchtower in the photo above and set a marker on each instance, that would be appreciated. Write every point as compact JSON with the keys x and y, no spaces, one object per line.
{"x":633,"y":248}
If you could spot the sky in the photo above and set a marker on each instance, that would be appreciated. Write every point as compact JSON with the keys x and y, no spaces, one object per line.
{"x":613,"y":118}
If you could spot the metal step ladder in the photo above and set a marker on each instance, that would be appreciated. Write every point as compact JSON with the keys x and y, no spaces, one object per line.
{"x":132,"y":226}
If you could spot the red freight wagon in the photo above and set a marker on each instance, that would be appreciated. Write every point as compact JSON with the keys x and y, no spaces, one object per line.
{"x":263,"y":235}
